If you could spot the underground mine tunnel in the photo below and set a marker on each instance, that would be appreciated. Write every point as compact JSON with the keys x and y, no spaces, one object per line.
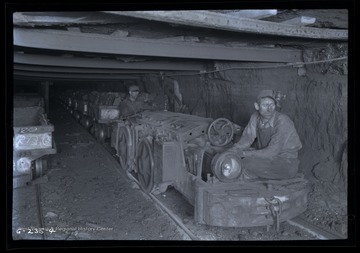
{"x":85,"y":170}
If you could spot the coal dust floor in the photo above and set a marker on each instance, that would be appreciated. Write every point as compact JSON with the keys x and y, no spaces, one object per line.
{"x":84,"y":197}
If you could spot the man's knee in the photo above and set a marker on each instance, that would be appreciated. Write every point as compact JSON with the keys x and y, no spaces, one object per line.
{"x":269,"y":168}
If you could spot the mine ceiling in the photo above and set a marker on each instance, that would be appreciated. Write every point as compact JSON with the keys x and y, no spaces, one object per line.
{"x":113,"y":45}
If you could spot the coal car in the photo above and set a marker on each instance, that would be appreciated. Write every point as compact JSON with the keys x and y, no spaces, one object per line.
{"x":32,"y":139}
{"x":103,"y":110}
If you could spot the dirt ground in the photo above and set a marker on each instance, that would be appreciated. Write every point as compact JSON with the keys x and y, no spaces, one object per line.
{"x":84,"y":197}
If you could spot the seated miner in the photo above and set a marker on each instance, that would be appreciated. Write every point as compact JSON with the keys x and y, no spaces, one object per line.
{"x":269,"y":144}
{"x":135,"y":102}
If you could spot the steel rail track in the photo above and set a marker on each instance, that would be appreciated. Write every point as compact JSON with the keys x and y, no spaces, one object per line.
{"x":320,"y":233}
{"x":39,"y":208}
{"x":173,"y":216}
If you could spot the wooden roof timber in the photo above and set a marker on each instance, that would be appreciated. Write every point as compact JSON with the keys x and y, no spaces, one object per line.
{"x":213,"y":20}
{"x":39,"y":68}
{"x":106,"y":44}
{"x":255,"y":14}
{"x":33,"y":19}
{"x":100,"y":63}
{"x":302,"y":20}
{"x":82,"y":76}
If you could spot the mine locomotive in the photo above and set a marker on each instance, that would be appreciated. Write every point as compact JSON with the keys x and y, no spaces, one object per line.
{"x":188,"y":152}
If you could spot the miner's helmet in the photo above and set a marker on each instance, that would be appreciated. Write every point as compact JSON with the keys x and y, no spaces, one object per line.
{"x":134,"y":88}
{"x":266,"y":93}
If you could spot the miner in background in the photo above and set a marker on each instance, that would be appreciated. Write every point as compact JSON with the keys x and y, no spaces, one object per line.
{"x":135,"y":102}
{"x":269,"y":144}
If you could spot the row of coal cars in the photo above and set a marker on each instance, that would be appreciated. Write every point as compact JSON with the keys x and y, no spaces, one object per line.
{"x":188,"y":152}
{"x":94,"y":110}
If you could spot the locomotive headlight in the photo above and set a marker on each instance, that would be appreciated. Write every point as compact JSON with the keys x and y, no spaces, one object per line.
{"x":226,"y":167}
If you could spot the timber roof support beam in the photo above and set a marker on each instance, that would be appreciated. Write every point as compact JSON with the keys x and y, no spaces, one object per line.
{"x":106,"y":44}
{"x":71,"y":76}
{"x":212,"y":20}
{"x":100,"y":63}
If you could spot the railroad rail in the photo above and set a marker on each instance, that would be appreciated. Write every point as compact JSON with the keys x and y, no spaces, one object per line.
{"x":320,"y":233}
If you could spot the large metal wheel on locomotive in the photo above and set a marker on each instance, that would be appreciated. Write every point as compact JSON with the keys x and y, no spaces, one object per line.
{"x":188,"y":152}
